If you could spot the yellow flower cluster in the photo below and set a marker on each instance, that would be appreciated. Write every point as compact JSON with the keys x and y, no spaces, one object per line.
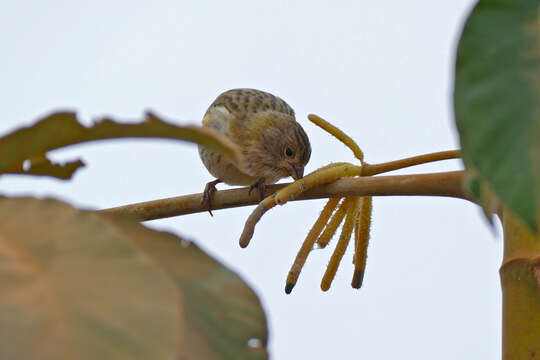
{"x":356,"y":212}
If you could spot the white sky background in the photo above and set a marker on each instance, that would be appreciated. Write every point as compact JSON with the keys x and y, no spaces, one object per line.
{"x":382,"y":71}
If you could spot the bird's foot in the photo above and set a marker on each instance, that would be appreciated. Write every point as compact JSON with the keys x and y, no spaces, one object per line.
{"x":208,"y":194}
{"x":260,"y":186}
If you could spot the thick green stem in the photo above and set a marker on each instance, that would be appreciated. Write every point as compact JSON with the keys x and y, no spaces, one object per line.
{"x":520,"y":282}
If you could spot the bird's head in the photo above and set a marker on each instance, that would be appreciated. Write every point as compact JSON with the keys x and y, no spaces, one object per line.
{"x":282,"y":148}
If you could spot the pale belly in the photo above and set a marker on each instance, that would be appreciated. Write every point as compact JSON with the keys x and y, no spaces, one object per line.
{"x":222,"y":169}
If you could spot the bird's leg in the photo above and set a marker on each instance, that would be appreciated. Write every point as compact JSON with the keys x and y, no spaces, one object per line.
{"x":260,"y":186}
{"x":208,"y":194}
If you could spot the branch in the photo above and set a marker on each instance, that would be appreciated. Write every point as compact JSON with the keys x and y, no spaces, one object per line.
{"x":375,"y":169}
{"x":447,"y":184}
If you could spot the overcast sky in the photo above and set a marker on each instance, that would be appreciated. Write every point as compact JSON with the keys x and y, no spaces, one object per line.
{"x":382,"y":71}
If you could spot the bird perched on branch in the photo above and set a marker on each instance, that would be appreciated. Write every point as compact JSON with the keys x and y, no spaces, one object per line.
{"x":273,"y":144}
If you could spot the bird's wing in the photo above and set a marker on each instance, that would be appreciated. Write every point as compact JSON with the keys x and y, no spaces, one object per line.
{"x":219,"y":118}
{"x":245,"y":101}
{"x":236,"y":105}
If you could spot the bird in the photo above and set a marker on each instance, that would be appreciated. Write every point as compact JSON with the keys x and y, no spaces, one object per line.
{"x":272,"y":143}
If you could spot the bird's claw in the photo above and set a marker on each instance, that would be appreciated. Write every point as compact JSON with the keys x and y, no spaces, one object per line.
{"x":208,"y":195}
{"x":260,"y":186}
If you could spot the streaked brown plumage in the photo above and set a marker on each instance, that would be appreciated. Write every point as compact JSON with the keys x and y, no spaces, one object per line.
{"x":274,"y":145}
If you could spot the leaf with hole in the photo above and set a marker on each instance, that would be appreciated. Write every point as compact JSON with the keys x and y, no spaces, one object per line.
{"x":24,"y":150}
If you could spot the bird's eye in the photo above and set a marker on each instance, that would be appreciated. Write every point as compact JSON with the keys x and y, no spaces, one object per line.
{"x":288,"y":152}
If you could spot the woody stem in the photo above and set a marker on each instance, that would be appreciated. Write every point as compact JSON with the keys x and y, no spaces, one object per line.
{"x":448,"y":184}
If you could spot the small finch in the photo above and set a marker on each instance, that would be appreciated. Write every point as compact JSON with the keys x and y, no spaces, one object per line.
{"x":273,"y":144}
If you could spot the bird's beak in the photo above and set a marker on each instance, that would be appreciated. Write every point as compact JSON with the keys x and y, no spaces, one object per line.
{"x":297,"y":171}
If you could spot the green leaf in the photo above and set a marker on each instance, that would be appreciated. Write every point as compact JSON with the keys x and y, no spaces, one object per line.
{"x":82,"y":285}
{"x":496,"y":98}
{"x":58,"y":130}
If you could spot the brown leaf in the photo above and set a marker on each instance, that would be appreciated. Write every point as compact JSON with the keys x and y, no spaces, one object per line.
{"x":62,"y":129}
{"x":82,"y":285}
{"x":42,"y":166}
